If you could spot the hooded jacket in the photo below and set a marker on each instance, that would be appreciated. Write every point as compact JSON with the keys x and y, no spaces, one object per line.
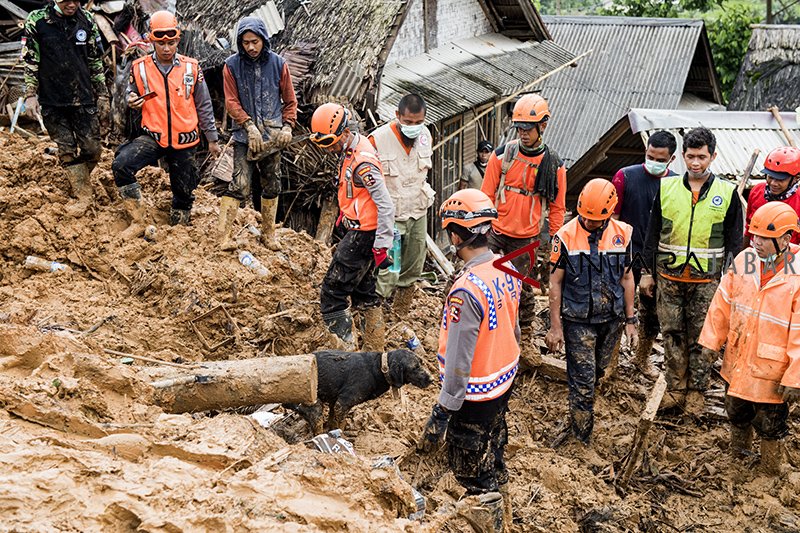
{"x":259,"y":89}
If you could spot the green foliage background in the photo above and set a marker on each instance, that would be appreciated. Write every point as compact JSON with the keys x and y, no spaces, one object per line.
{"x":727,"y":22}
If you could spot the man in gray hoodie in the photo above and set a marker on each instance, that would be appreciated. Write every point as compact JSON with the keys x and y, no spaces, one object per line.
{"x":260,"y":99}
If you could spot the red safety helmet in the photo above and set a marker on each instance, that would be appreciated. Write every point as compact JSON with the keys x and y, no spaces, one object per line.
{"x":597,"y":200}
{"x":530,"y":110}
{"x":469,"y":208}
{"x":774,"y":219}
{"x":328,"y":124}
{"x":163,"y":26}
{"x":782,"y":163}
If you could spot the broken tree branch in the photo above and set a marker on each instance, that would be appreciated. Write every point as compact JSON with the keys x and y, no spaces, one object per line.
{"x":645,"y":423}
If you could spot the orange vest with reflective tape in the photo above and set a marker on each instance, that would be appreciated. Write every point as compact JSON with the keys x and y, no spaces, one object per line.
{"x":355,"y":200}
{"x":171,"y":116}
{"x":496,"y":358}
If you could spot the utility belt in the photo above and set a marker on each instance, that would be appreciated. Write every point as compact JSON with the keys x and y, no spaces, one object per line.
{"x":523,"y":192}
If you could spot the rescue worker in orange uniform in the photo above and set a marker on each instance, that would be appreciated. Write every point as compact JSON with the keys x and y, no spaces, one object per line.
{"x":591,"y":297}
{"x":367,"y":213}
{"x":756,"y":314}
{"x":782,"y":173}
{"x":478,"y":355}
{"x":172,"y":94}
{"x":525,"y":178}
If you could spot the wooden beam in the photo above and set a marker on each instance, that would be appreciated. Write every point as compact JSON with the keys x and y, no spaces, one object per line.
{"x":625,"y":151}
{"x":14,"y":9}
{"x":640,"y":437}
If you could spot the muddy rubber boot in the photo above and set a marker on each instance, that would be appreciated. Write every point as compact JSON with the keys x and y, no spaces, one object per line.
{"x":133,"y":204}
{"x":508,"y":512}
{"x":228,"y":208}
{"x":403,"y":298}
{"x":641,"y":359}
{"x":771,"y":456}
{"x":672,"y":399}
{"x":269,"y":209}
{"x":340,"y":323}
{"x":695,"y":403}
{"x":483,"y":512}
{"x":741,"y":441}
{"x":81,"y":189}
{"x":374,"y":339}
{"x":180,"y":216}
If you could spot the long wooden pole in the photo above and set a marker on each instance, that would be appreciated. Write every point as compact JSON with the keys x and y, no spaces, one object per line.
{"x":789,"y":137}
{"x":511,"y":97}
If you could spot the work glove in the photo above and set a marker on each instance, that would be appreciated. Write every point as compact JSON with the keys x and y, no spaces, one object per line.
{"x":255,"y":142}
{"x":435,"y":428}
{"x":104,"y":114}
{"x":284,"y":137}
{"x":382,"y":259}
{"x":790,"y":394}
{"x":32,"y":108}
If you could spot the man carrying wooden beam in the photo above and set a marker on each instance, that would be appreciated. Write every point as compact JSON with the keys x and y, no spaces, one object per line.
{"x":591,"y":297}
{"x":755,"y":314}
{"x":260,"y":99}
{"x":695,"y":224}
{"x":64,"y":81}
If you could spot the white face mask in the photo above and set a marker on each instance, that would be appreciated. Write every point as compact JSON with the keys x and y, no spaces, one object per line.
{"x":412,"y":132}
{"x":770,"y":259}
{"x":655,"y":168}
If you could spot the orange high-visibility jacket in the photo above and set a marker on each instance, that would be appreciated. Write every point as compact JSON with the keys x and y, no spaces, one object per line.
{"x":760,"y":325}
{"x":496,"y":357}
{"x":519,"y":215}
{"x":171,"y":116}
{"x":355,"y":201}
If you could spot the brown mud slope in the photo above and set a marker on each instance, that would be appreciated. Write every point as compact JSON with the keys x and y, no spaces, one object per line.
{"x":83,"y":449}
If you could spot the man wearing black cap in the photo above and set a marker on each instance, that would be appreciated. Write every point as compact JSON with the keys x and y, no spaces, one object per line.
{"x":473,"y":177}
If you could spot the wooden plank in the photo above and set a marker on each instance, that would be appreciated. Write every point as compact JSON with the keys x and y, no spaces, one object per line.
{"x":645,"y":423}
{"x":327,"y":219}
{"x":551,"y":367}
{"x":439,"y":257}
{"x":14,"y":9}
{"x":105,"y":27}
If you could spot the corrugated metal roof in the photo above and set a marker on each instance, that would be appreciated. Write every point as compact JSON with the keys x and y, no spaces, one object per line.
{"x":738,"y":133}
{"x":636,"y":62}
{"x":467,"y":73}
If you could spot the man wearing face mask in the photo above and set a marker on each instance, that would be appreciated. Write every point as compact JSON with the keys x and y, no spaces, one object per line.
{"x":367,"y":213}
{"x":260,"y":99}
{"x":473,"y":177}
{"x":754,"y":313}
{"x":172,"y":94}
{"x":591,"y":297}
{"x":636,"y":187}
{"x":525,"y":178}
{"x":64,"y":75}
{"x":404,"y":146}
{"x":478,"y":360}
{"x":782,"y":170}
{"x":695,"y":224}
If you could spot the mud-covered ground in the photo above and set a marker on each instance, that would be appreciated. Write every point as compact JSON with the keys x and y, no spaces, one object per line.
{"x":82,"y":448}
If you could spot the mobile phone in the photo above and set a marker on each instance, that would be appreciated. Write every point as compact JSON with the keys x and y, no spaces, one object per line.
{"x":148,"y":96}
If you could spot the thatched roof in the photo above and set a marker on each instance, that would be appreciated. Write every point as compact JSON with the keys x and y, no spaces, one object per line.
{"x":770,"y":72}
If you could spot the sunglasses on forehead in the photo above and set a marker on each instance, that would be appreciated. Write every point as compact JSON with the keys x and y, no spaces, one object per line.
{"x":164,"y":35}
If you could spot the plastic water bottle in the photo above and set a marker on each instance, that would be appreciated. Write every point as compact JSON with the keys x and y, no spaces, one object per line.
{"x":248,"y":260}
{"x":43,"y":265}
{"x":410,"y":338}
{"x":395,"y":252}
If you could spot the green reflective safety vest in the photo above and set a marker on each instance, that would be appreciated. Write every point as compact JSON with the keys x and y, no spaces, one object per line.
{"x":694,"y":233}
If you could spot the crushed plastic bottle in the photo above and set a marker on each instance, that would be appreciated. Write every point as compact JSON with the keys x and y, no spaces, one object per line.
{"x":43,"y":265}
{"x":409,"y":337}
{"x":395,"y":251}
{"x":248,"y":260}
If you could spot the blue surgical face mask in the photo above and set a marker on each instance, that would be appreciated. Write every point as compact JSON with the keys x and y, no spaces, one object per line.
{"x":655,"y":168}
{"x":412,"y":132}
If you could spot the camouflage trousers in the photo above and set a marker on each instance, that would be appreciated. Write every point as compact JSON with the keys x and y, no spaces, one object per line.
{"x":768,"y":419}
{"x":504,"y":245}
{"x":477,"y":435}
{"x":589,"y":349}
{"x":682,"y":309}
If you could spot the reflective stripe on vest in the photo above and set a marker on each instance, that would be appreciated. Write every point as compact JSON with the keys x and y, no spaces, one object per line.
{"x":696,"y":228}
{"x":496,"y":356}
{"x":143,"y":75}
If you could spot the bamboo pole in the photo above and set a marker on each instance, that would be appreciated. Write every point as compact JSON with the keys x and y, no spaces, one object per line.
{"x":789,"y":137}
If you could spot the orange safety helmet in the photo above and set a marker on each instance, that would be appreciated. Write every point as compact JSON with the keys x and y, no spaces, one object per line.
{"x":470,"y":208}
{"x":774,"y":219}
{"x":782,"y":163}
{"x":163,"y":26}
{"x":328,"y":124}
{"x":597,"y":200}
{"x":529,"y":111}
